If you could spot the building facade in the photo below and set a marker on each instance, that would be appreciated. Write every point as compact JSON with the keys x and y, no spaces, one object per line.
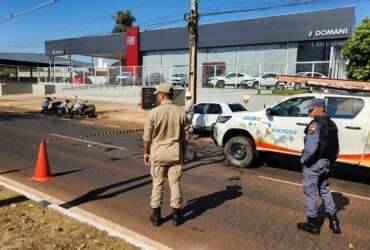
{"x":288,"y":44}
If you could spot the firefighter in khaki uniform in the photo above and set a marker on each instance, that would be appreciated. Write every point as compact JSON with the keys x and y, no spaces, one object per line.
{"x":164,"y":149}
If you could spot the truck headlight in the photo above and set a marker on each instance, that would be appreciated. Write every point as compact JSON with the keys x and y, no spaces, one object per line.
{"x":223,"y":119}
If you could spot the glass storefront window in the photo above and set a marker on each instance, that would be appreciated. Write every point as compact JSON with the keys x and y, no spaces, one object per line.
{"x":317,"y":50}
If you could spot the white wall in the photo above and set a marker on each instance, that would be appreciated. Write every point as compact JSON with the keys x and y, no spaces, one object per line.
{"x":15,"y":88}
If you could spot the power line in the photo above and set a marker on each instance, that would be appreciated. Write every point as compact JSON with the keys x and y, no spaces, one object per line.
{"x":260,"y":8}
{"x":41,"y":43}
{"x":31,"y":9}
{"x":163,"y":23}
{"x":205,"y":14}
{"x":59,"y":30}
{"x":239,"y":4}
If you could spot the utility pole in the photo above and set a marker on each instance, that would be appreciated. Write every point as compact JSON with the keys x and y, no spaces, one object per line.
{"x":192,"y":19}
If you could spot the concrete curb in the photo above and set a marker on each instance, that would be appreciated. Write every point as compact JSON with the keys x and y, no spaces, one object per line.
{"x":83,"y":216}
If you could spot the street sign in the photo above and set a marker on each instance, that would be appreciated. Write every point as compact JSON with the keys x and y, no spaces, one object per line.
{"x":58,"y":52}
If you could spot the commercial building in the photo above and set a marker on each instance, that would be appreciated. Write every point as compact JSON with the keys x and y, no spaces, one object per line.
{"x":302,"y":42}
{"x":29,"y":67}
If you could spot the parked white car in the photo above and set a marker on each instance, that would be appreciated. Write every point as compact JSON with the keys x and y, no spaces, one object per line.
{"x":207,"y":114}
{"x":298,"y":85}
{"x":311,"y":74}
{"x":98,"y":79}
{"x":125,"y":78}
{"x":280,"y":128}
{"x":230,"y":79}
{"x":265,"y":80}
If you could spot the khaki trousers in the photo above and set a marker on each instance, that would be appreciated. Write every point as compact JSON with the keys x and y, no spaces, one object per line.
{"x":189,"y":132}
{"x":159,"y":174}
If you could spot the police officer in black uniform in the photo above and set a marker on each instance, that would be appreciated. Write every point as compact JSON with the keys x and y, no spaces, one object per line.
{"x":320,"y":152}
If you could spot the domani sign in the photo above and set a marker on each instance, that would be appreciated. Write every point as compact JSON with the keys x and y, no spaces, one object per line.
{"x":328,"y":32}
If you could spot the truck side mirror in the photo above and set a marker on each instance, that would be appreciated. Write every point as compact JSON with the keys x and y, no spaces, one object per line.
{"x":269,"y":112}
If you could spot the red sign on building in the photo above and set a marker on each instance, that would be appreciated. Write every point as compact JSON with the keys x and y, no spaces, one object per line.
{"x":132,"y":46}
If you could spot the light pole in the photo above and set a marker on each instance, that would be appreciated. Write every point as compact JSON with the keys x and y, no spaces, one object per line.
{"x":192,"y":19}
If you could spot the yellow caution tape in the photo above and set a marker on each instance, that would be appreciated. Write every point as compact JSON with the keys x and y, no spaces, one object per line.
{"x":115,"y":132}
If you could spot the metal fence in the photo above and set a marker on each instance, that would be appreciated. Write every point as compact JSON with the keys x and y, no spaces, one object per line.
{"x":176,"y":74}
{"x":333,"y":69}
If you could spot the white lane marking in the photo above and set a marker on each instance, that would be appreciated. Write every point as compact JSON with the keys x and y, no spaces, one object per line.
{"x":81,"y":215}
{"x":89,"y":142}
{"x":279,"y":180}
{"x":298,"y":184}
{"x":87,"y":122}
{"x":112,"y":126}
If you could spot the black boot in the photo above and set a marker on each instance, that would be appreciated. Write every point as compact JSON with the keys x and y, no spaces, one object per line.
{"x":334,"y":224}
{"x":155,"y":217}
{"x":177,"y":218}
{"x":311,"y":226}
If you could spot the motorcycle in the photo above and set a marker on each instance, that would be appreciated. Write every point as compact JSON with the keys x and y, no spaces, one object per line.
{"x":83,"y":109}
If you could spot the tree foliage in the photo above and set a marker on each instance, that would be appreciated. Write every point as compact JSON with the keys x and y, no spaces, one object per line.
{"x":123,"y":19}
{"x":357,"y":51}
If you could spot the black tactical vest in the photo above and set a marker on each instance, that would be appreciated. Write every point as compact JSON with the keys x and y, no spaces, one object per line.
{"x":329,"y":144}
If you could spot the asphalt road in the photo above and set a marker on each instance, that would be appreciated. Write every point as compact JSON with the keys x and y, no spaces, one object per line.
{"x":225,"y":208}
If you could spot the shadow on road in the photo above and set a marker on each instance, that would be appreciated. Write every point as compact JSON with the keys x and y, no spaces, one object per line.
{"x":103,"y":192}
{"x":340,"y":202}
{"x":68,"y":172}
{"x":12,"y":200}
{"x":340,"y":171}
{"x":13,"y":171}
{"x":12,"y":116}
{"x":98,"y":194}
{"x":198,"y":206}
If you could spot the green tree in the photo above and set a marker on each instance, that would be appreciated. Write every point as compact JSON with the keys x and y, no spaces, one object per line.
{"x":357,"y":51}
{"x":123,"y":19}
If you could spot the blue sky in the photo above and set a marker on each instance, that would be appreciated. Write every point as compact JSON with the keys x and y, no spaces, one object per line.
{"x":73,"y":18}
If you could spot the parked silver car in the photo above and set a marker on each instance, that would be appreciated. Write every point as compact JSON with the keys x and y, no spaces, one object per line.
{"x":178,"y":80}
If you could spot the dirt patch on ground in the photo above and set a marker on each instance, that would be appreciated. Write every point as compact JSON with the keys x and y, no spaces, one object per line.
{"x":123,"y":114}
{"x":25,"y":224}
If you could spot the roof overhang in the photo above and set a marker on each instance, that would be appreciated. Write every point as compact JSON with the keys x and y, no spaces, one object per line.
{"x":34,"y":60}
{"x":106,"y":46}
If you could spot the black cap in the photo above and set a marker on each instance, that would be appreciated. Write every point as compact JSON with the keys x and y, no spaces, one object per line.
{"x":317,"y":102}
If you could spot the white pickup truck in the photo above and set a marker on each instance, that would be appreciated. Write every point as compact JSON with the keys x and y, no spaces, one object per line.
{"x":280,"y":128}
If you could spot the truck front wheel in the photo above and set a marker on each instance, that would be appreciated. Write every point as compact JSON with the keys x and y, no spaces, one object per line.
{"x":240,"y":151}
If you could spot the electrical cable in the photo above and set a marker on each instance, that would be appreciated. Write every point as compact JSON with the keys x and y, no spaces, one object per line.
{"x":287,"y":4}
{"x":72,"y":31}
{"x":26,"y":11}
{"x":178,"y":20}
{"x":171,"y":19}
{"x":60,"y":30}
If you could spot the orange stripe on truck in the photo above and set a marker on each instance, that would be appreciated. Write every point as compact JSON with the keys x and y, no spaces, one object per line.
{"x":347,"y":158}
{"x":273,"y":147}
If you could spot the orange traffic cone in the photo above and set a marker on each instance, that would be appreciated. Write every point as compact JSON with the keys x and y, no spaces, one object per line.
{"x":42,"y":170}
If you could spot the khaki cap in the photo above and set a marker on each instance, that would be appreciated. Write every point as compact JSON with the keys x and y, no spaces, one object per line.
{"x":164,"y":88}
